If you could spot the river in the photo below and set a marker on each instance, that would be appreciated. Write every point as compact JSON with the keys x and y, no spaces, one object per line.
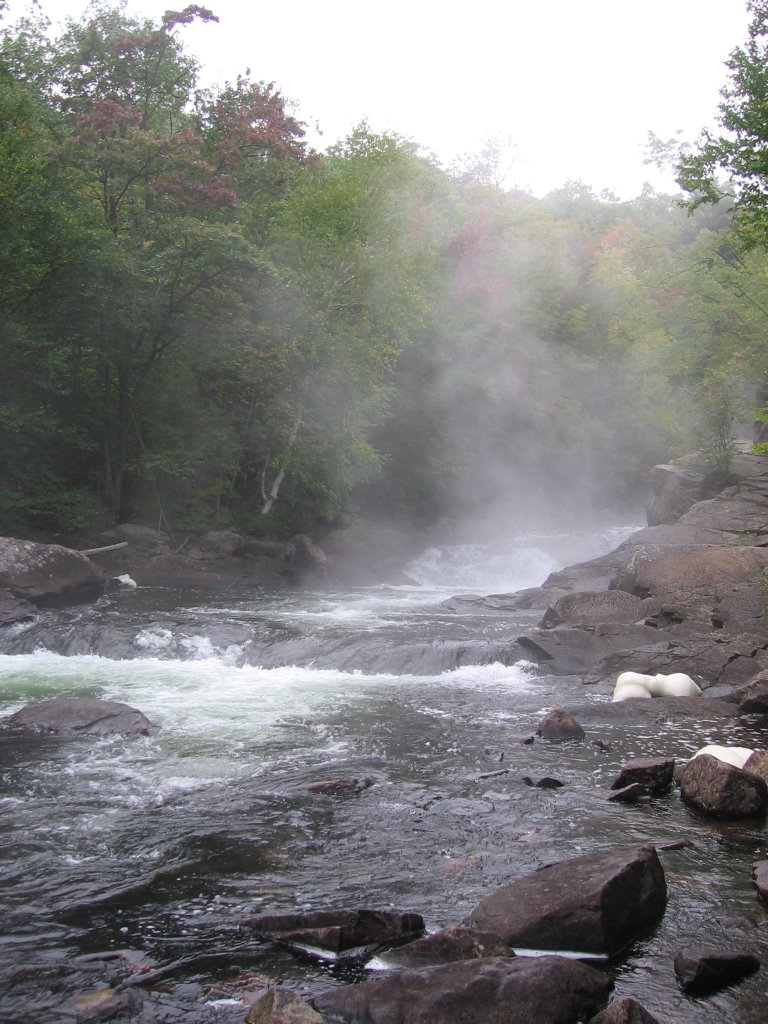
{"x":162,"y":846}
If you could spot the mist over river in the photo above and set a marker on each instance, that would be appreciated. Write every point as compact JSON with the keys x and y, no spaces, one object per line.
{"x":162,"y":846}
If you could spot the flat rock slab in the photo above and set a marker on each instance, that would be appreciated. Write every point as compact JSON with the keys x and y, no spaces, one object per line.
{"x":338,"y":931}
{"x":81,"y":716}
{"x":721,"y":790}
{"x":703,"y":971}
{"x":446,"y":946}
{"x":570,"y":650}
{"x":495,"y":990}
{"x":597,"y":903}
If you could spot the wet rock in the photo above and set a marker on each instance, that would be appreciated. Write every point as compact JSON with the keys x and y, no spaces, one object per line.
{"x":760,"y":878}
{"x":446,"y":946}
{"x":503,"y":990}
{"x":14,"y":609}
{"x":48,"y":574}
{"x":721,"y":790}
{"x":339,"y":931}
{"x":245,"y":987}
{"x":546,"y":783}
{"x":559,"y":726}
{"x":590,"y":607}
{"x":573,"y":651}
{"x":677,"y":844}
{"x":280,"y":1005}
{"x":340,"y":787}
{"x":597,"y":903}
{"x":703,"y":971}
{"x":655,"y":774}
{"x":757,"y":763}
{"x":628,"y":794}
{"x":103,"y":1004}
{"x":81,"y":716}
{"x":624,"y":1011}
{"x":502,"y":604}
{"x":752,"y":697}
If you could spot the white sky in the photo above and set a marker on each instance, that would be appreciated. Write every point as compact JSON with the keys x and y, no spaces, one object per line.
{"x":575,"y":84}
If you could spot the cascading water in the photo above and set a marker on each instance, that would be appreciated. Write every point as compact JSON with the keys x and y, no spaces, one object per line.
{"x":163,"y":845}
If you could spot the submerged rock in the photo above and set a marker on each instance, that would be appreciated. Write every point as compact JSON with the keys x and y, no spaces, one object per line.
{"x":597,"y":903}
{"x":81,"y":716}
{"x":340,"y":787}
{"x":494,"y":990}
{"x":703,"y":971}
{"x":628,"y":794}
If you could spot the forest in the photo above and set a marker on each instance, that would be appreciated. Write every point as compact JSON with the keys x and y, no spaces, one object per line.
{"x":204,"y":322}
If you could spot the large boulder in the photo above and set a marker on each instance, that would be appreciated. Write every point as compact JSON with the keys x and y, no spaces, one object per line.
{"x":722,"y":790}
{"x":81,"y":716}
{"x":676,"y":487}
{"x":48,"y":574}
{"x":597,"y":903}
{"x":494,"y":990}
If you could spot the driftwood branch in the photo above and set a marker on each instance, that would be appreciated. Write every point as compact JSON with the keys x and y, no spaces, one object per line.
{"x":109,"y":547}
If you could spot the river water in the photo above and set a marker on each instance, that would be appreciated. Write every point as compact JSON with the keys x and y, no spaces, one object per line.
{"x":163,"y":846}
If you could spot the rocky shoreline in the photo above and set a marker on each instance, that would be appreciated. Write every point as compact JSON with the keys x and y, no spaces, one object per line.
{"x":687,"y":594}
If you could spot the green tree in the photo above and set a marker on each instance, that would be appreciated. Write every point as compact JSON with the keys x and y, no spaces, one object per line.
{"x":733,"y":165}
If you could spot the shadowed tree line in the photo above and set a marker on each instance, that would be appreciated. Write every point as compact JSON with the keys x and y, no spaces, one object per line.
{"x":203,"y":322}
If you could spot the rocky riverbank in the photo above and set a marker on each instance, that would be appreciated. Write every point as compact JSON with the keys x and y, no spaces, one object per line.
{"x":687,"y":594}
